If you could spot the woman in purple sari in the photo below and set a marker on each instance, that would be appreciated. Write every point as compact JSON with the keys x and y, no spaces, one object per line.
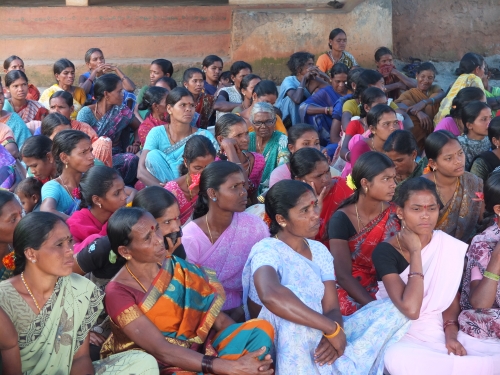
{"x":317,"y":110}
{"x":221,"y":235}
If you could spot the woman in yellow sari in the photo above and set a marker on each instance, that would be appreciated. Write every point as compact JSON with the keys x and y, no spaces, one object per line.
{"x":171,"y":308}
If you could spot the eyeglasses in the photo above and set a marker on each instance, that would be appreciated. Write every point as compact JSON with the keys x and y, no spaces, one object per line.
{"x":267,"y":123}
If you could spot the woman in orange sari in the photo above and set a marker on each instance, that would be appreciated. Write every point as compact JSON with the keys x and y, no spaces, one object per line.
{"x":311,"y":166}
{"x":170,"y":308}
{"x":361,"y":222}
{"x":422,"y":103}
{"x":204,"y":103}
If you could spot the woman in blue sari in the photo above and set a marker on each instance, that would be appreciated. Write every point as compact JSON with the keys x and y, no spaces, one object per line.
{"x":317,"y":110}
{"x":163,"y":150}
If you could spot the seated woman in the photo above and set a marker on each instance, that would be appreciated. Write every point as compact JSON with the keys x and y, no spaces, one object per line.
{"x":232,"y":134}
{"x":267,"y":141}
{"x":198,"y":153}
{"x":318,"y":108}
{"x":159,"y":68}
{"x":94,"y":58}
{"x":476,"y":117}
{"x":155,"y":102}
{"x":72,"y":152}
{"x":221,"y":234}
{"x":11,"y":212}
{"x":457,"y":189}
{"x":453,"y":121}
{"x":230,"y":97}
{"x":63,"y":306}
{"x":161,"y":156}
{"x":306,"y":78}
{"x":358,"y":127}
{"x":471,"y":70}
{"x":360,"y":223}
{"x":394,"y":81}
{"x":419,"y":271}
{"x":337,"y":42}
{"x":14,"y":122}
{"x":102,"y":192}
{"x":382,"y":121}
{"x":299,"y":136}
{"x":203,"y":102}
{"x":64,"y":73}
{"x":212,"y":69}
{"x":311,"y":166}
{"x":16,"y":63}
{"x":247,"y":86}
{"x":148,"y":300}
{"x":401,"y":148}
{"x":264,"y":91}
{"x":36,"y":154}
{"x":16,"y":84}
{"x":305,"y":314}
{"x":480,"y":297}
{"x":486,"y":162}
{"x":422,"y":103}
{"x":112,"y":119}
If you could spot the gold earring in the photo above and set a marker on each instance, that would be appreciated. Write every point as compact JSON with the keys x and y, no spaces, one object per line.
{"x":366,"y":189}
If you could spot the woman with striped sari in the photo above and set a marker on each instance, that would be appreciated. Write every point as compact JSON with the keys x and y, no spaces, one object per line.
{"x":166,"y":306}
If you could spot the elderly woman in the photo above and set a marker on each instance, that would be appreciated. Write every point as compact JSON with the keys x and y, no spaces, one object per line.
{"x":267,"y":141}
{"x":166,"y":306}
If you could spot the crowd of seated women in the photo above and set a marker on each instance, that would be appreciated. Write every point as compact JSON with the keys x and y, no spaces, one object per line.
{"x":345,"y":222}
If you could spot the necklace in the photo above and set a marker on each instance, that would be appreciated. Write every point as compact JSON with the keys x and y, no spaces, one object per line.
{"x":135,"y":278}
{"x":437,"y":188}
{"x":66,"y":188}
{"x":361,"y":225}
{"x":399,"y":245}
{"x":208,"y":227}
{"x":187,"y":185}
{"x":29,"y":291}
{"x":373,"y":145}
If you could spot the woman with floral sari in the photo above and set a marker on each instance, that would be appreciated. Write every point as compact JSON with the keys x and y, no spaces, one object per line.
{"x":171,"y":308}
{"x":111,"y":118}
{"x":198,"y":153}
{"x":360,"y":223}
{"x":204,"y":103}
{"x":162,"y":153}
{"x":221,"y":234}
{"x":10,"y":214}
{"x":459,"y":191}
{"x":267,"y":141}
{"x":53,"y":309}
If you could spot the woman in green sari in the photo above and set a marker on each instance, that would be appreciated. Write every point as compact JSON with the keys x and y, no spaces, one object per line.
{"x":266,"y":140}
{"x":53,"y":309}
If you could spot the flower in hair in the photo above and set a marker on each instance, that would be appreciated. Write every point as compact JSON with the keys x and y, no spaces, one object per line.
{"x":350,"y":182}
{"x":9,"y":261}
{"x":479,"y":196}
{"x":77,"y":193}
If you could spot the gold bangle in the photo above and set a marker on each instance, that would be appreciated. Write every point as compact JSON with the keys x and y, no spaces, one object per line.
{"x":331,"y":336}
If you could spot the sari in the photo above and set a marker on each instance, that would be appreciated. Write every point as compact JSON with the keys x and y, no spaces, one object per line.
{"x":325,"y":97}
{"x":361,"y":246}
{"x":183,"y":302}
{"x":414,"y":96}
{"x":234,"y":97}
{"x":65,"y":202}
{"x":227,"y":256}
{"x":288,"y":108}
{"x":48,"y":341}
{"x":18,"y":127}
{"x":326,"y":61}
{"x":483,"y":324}
{"x":9,"y":175}
{"x":83,"y":225}
{"x":114,"y":125}
{"x":460,"y":214}
{"x":186,"y":206}
{"x":149,"y":123}
{"x":473,"y":148}
{"x":79,"y":98}
{"x":205,"y":108}
{"x":465,"y":80}
{"x":275,"y":153}
{"x":484,"y":164}
{"x":32,"y":111}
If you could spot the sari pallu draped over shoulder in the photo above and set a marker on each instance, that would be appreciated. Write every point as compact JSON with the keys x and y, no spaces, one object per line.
{"x":183,"y":302}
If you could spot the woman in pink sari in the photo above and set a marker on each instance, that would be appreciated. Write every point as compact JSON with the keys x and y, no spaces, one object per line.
{"x":221,"y":235}
{"x":420,"y":270}
{"x":198,"y":153}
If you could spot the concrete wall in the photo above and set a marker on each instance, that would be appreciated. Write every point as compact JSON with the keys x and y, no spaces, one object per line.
{"x":446,"y":29}
{"x":268,"y":37}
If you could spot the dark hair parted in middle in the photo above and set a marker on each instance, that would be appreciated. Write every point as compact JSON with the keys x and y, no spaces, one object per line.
{"x":376,"y":113}
{"x":52,"y":121}
{"x":96,"y":181}
{"x":281,"y":197}
{"x":65,"y":142}
{"x":304,"y":161}
{"x":435,"y":142}
{"x":401,"y":141}
{"x":155,"y":200}
{"x":105,"y":83}
{"x":471,"y":112}
{"x":62,"y":64}
{"x":177,"y":94}
{"x":68,"y":98}
{"x":265,"y":87}
{"x":212,"y":177}
{"x":368,"y":97}
{"x":189,"y":73}
{"x":413,"y":185}
{"x":339,"y":68}
{"x":197,"y":146}
{"x":13,"y":76}
{"x":298,"y":130}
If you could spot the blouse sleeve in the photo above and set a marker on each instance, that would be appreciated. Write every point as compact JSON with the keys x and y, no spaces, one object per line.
{"x":121,"y":304}
{"x":264,"y":256}
{"x":322,"y":62}
{"x":152,"y":140}
{"x":480,"y":169}
{"x":387,"y":260}
{"x":324,"y":259}
{"x":51,"y":190}
{"x":350,"y":106}
{"x":353,"y":128}
{"x":340,"y":227}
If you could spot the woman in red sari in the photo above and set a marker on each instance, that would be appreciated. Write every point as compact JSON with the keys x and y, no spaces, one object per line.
{"x":361,"y":222}
{"x":311,"y":166}
{"x":204,"y":103}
